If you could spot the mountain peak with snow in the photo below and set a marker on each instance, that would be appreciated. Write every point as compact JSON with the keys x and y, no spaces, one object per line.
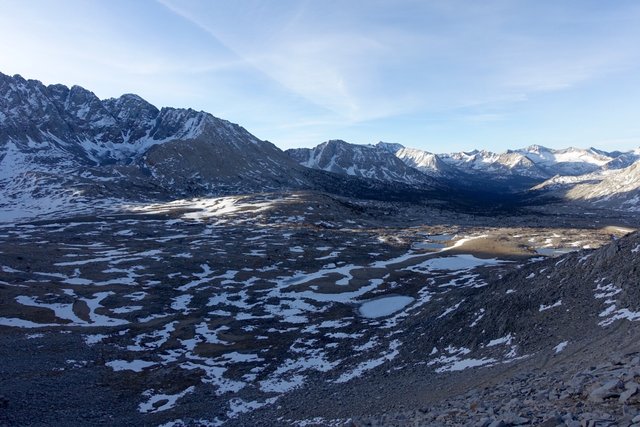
{"x":424,"y":161}
{"x":64,"y":136}
{"x":367,"y":161}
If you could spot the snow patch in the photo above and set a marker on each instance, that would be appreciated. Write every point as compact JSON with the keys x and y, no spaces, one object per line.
{"x":547,"y":307}
{"x":561,"y":346}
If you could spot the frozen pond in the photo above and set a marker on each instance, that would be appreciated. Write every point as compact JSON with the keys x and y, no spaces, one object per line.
{"x":554,"y":251}
{"x":385,"y":306}
{"x":453,"y":263}
{"x":434,"y":242}
{"x":428,"y":245}
{"x":441,"y":237}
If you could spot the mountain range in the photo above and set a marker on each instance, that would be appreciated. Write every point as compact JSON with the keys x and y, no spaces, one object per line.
{"x":60,"y":145}
{"x":71,"y":127}
{"x":535,"y":161}
{"x":607,"y":178}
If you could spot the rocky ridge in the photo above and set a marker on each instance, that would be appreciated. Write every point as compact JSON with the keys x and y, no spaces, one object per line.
{"x":72,"y":128}
{"x":611,"y":188}
{"x":425,"y":162}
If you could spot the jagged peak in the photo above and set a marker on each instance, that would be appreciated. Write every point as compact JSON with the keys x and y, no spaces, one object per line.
{"x":130,"y":105}
{"x":80,"y":89}
{"x":336,"y":142}
{"x":131,"y":97}
{"x":20,"y":79}
{"x":417,"y":151}
{"x":20,"y":83}
{"x":570,"y":149}
{"x":58,"y":87}
{"x":15,"y":77}
{"x":391,"y":147}
{"x":536,"y":148}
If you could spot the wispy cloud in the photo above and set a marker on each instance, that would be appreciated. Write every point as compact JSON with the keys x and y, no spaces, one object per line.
{"x":365,"y":67}
{"x":319,"y":68}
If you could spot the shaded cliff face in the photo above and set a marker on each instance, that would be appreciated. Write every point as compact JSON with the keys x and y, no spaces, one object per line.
{"x":222,"y":157}
{"x":35,"y":116}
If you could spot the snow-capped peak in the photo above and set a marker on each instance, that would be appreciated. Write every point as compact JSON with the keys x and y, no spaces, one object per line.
{"x":424,"y":161}
{"x":368,"y":161}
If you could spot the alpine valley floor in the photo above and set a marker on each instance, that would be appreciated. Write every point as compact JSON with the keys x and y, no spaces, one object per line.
{"x":311,"y":309}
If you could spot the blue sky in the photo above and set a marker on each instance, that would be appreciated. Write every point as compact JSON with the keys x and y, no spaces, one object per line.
{"x":438,"y":75}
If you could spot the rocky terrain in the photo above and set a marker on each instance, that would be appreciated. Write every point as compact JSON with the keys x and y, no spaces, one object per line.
{"x":202,"y":312}
{"x":166,"y":267}
{"x":568,"y":361}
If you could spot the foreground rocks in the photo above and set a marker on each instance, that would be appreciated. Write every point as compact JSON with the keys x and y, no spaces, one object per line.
{"x":603,"y":395}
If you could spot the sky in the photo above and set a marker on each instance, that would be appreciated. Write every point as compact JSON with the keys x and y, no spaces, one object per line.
{"x":439,"y":75}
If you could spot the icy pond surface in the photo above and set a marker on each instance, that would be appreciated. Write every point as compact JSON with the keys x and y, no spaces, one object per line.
{"x":385,"y":306}
{"x":453,"y":263}
{"x":554,"y":251}
{"x":428,"y":245}
{"x":441,"y":237}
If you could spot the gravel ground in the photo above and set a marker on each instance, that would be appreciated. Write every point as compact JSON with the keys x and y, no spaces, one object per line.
{"x":508,"y":310}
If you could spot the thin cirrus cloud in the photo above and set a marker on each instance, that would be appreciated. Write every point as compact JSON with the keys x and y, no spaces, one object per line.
{"x":329,"y":65}
{"x":366,"y":64}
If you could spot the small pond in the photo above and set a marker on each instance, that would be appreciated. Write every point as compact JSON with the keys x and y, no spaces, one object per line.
{"x":384,"y":306}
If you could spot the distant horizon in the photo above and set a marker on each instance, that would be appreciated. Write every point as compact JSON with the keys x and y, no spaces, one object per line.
{"x":441,"y":76}
{"x":513,"y":148}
